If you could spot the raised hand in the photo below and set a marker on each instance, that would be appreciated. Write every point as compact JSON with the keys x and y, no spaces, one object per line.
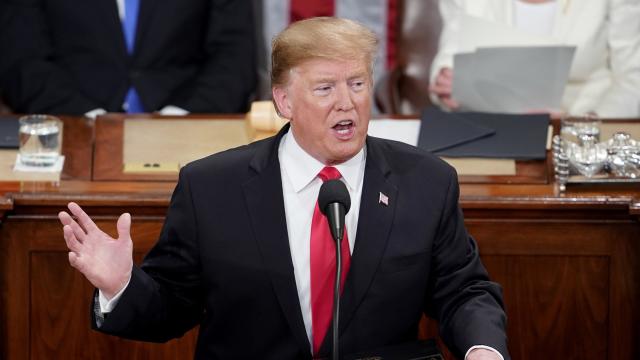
{"x":106,"y":262}
{"x":443,"y":87}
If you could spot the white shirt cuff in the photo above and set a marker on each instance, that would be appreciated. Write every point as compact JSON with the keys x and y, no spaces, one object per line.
{"x":106,"y":306}
{"x":483,"y":347}
{"x":173,"y":110}
{"x":94,"y":113}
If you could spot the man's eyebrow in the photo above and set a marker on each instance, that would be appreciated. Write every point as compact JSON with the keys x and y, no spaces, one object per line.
{"x":358,"y":73}
{"x":323,"y":79}
{"x":330,"y":78}
{"x":356,"y":76}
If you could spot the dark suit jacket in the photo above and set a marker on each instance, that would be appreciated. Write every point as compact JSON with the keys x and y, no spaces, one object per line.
{"x":223,"y":261}
{"x":69,"y":56}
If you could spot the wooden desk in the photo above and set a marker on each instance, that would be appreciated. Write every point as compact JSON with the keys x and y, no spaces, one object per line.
{"x":569,"y":263}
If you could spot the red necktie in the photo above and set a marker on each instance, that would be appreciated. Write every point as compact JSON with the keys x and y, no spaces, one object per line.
{"x":323,"y":267}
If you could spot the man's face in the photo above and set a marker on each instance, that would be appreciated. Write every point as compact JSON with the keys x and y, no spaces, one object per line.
{"x":328,"y":103}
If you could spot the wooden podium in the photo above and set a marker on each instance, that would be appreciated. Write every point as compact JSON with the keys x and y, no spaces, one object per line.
{"x":569,"y":263}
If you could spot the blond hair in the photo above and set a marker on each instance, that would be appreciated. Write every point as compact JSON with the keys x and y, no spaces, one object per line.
{"x":320,"y":37}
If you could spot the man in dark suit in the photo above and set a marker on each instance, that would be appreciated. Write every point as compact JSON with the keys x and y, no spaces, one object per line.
{"x":239,"y":253}
{"x":75,"y":57}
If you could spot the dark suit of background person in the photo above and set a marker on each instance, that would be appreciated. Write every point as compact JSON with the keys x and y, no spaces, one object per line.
{"x":69,"y":56}
{"x":224,"y":253}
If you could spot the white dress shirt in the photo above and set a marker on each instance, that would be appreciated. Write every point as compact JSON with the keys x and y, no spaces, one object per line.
{"x":300,"y":187}
{"x":121,"y":11}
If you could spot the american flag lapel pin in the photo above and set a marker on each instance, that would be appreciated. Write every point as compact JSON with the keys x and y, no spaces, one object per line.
{"x":383,"y":199}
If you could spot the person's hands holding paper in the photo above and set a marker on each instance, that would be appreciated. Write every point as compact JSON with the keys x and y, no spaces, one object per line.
{"x":106,"y":262}
{"x":443,"y":87}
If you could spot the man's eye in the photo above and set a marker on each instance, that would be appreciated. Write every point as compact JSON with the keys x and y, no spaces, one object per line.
{"x":322,"y":90}
{"x":357,"y":85}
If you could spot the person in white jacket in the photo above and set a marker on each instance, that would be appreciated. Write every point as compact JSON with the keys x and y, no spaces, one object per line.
{"x":605,"y":73}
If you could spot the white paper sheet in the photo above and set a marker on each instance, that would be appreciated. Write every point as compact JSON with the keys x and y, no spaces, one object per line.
{"x":512,"y":79}
{"x":406,"y":131}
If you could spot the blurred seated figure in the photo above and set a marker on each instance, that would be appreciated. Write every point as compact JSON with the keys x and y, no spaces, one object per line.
{"x":88,"y":57}
{"x":605,"y":73}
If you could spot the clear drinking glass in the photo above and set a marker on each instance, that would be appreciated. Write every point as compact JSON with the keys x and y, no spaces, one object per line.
{"x":40,"y":140}
{"x":573,"y":128}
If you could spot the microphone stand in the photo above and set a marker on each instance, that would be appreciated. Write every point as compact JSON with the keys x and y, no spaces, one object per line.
{"x":336,"y":221}
{"x":334,"y":202}
{"x":336,"y":297}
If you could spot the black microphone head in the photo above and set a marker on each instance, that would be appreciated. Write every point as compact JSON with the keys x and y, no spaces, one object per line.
{"x":333,"y":191}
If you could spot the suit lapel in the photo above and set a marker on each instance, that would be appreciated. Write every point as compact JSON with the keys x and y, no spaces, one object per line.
{"x":374,"y":225}
{"x":263,"y":194}
{"x":145,"y":15}
{"x":107,"y":12}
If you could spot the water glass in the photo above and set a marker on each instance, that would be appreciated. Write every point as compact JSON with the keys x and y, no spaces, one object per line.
{"x":40,"y":140}
{"x":574,"y":128}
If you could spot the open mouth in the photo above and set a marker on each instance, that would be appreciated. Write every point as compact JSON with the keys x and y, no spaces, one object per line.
{"x":344,"y":128}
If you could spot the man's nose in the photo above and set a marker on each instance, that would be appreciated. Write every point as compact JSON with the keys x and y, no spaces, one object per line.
{"x":344,"y":102}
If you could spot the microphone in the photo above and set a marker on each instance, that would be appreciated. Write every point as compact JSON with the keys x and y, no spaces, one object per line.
{"x":334,"y":203}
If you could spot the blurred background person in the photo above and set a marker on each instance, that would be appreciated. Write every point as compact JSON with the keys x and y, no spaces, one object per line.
{"x":88,"y":57}
{"x":605,"y":73}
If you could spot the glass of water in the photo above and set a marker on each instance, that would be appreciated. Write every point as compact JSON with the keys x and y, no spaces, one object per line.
{"x":574,"y":128}
{"x":40,"y":140}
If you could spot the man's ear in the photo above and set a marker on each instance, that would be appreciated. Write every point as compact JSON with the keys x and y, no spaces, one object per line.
{"x":281,"y":100}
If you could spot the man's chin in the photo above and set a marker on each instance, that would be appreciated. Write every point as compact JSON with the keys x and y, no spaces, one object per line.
{"x":345,"y":154}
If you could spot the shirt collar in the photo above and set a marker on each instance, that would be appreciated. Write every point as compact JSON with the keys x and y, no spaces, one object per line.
{"x":302,"y":168}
